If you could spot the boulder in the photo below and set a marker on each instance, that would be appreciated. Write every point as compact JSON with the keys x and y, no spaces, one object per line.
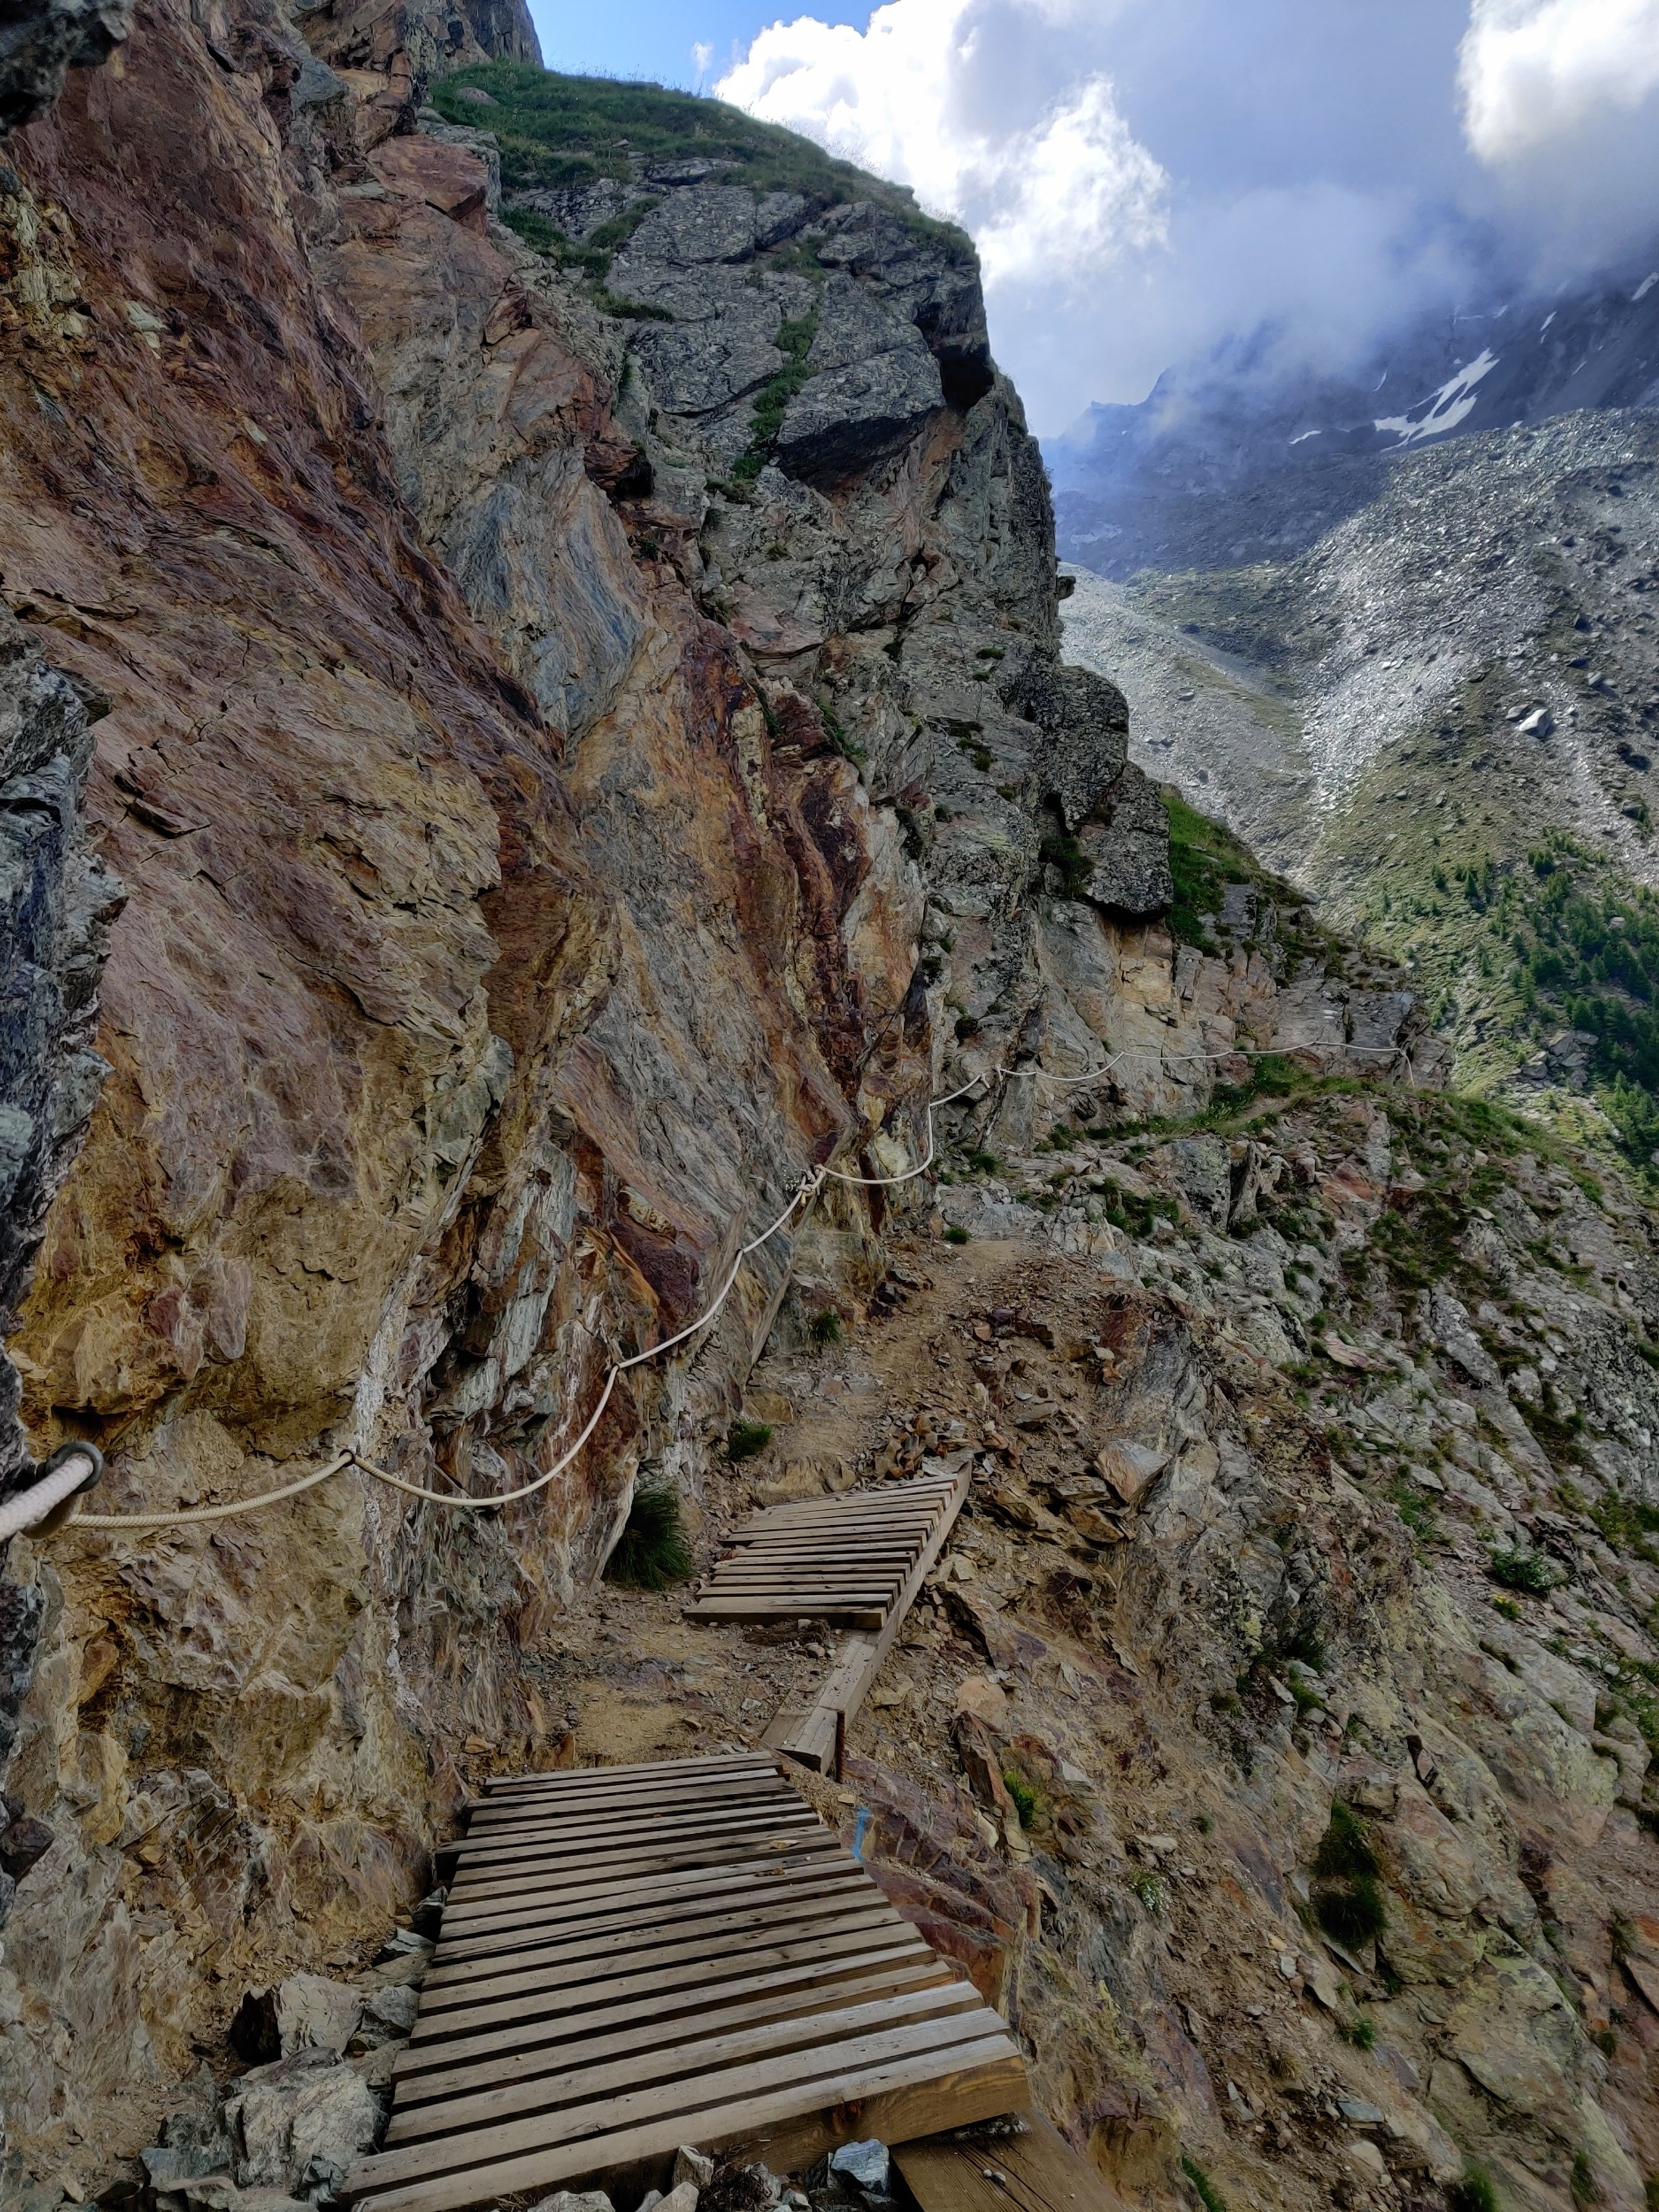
{"x":840,"y":422}
{"x":297,"y":2124}
{"x":313,"y":2013}
{"x":41,"y":40}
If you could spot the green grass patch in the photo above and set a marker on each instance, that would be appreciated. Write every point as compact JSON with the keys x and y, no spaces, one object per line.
{"x":1473,"y":2192}
{"x":1025,"y":1797}
{"x":744,"y":1438}
{"x":1060,"y":851}
{"x":1345,"y":1851}
{"x":795,"y":342}
{"x":1629,"y":1525}
{"x":558,"y":129}
{"x":1208,"y":2195}
{"x":1204,"y":858}
{"x":825,"y":1327}
{"x":1523,"y":1570}
{"x":652,"y":1552}
{"x":1348,"y":1904}
{"x":1353,"y":1915}
{"x":954,"y":1235}
{"x":1132,"y":1211}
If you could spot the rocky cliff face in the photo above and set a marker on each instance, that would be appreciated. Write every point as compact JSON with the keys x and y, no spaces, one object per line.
{"x":537,"y":856}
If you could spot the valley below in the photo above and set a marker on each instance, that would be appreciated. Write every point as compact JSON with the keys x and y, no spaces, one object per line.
{"x":1441,"y":720}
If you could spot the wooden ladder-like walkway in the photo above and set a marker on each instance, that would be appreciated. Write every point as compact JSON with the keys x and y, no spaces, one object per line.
{"x":857,"y":1561}
{"x":853,"y":1561}
{"x":632,"y":1958}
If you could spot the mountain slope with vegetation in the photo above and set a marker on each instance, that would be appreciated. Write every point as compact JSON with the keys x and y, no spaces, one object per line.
{"x":1442,"y":719}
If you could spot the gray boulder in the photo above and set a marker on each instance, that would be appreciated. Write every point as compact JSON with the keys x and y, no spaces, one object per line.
{"x":694,"y":367}
{"x":315,"y":2013}
{"x":1126,"y":843}
{"x":297,"y":2124}
{"x":41,"y":40}
{"x":712,"y":222}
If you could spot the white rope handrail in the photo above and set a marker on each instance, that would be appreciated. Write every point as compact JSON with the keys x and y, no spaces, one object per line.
{"x":31,"y":1508}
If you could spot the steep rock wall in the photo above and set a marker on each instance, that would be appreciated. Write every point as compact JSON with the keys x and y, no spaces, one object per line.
{"x":510,"y":925}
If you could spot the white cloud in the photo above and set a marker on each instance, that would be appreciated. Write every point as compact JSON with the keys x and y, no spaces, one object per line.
{"x":1045,"y":173}
{"x":1535,"y":71}
{"x":1147,"y":178}
{"x":1561,"y":103}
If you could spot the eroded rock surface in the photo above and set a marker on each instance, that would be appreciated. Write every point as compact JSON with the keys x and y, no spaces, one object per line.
{"x":543,"y":845}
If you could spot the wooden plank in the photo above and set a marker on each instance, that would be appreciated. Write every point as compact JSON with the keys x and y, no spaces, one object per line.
{"x":477,"y":1979}
{"x":609,"y":2063}
{"x":563,"y":1874}
{"x":499,"y":2148}
{"x":1036,"y":2171}
{"x":987,"y":2081}
{"x":985,"y":2078}
{"x":528,"y":1978}
{"x":844,"y":1513}
{"x":729,"y":1961}
{"x":633,"y":1788}
{"x":712,"y":1768}
{"x":829,"y":1546}
{"x":670,"y":2020}
{"x":741,"y":1872}
{"x":493,"y":1814}
{"x":814,"y":1736}
{"x":511,"y":1925}
{"x":546,"y":1819}
{"x":614,"y":1949}
{"x":745,"y":1909}
{"x":814,"y":1967}
{"x":911,"y":1488}
{"x":620,"y":1832}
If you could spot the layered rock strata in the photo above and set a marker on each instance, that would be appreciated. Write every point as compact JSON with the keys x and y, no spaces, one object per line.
{"x":539,"y":857}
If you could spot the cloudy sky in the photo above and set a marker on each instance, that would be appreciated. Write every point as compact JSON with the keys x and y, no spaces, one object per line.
{"x":1147,"y":177}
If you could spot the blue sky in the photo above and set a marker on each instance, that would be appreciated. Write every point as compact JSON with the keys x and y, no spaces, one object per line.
{"x":656,"y":37}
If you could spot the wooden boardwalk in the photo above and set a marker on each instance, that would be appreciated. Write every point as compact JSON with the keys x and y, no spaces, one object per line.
{"x":636,"y":1956}
{"x":853,"y":1561}
{"x":1036,"y":2171}
{"x":812,"y":1730}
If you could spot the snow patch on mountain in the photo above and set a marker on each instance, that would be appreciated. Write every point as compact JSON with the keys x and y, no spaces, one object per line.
{"x":1453,"y":403}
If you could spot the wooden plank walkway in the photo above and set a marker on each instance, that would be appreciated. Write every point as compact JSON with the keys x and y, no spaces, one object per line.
{"x":853,"y":1560}
{"x":1036,"y":2171}
{"x":633,"y":1958}
{"x":812,"y":1731}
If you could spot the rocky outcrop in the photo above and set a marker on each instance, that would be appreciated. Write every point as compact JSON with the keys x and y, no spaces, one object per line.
{"x":546,"y":839}
{"x":58,"y":902}
{"x":42,"y":40}
{"x":1275,"y":1745}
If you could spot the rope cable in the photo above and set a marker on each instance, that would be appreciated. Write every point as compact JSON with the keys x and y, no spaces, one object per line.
{"x":30,"y":1508}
